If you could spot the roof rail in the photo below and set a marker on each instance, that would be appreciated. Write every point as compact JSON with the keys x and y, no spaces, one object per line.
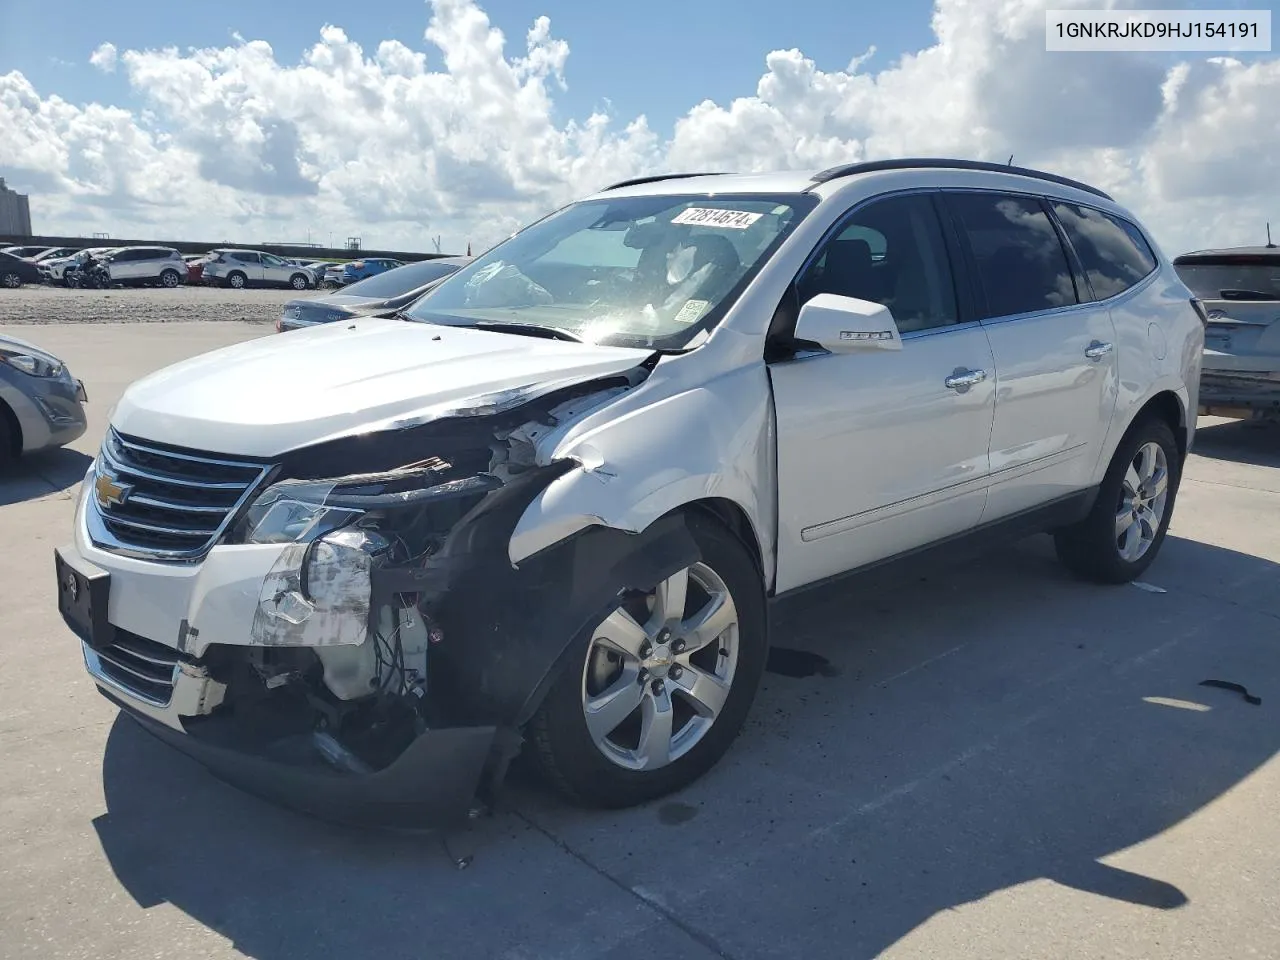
{"x":636,"y":181}
{"x":872,"y":166}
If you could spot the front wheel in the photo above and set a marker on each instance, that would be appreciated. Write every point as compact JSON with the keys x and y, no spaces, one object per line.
{"x":662,"y":686}
{"x":1126,"y":528}
{"x":170,"y":279}
{"x":298,"y":282}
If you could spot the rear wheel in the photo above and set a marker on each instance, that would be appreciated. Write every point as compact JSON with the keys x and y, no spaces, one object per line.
{"x":1124,"y":532}
{"x":237,"y":280}
{"x":11,"y":280}
{"x":658,"y":690}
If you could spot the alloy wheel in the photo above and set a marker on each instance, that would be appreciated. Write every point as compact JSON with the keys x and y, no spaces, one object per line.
{"x":1144,"y":494}
{"x":659,"y":669}
{"x":12,"y":281}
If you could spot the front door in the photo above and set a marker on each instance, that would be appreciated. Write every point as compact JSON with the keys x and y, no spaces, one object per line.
{"x":1055,"y":351}
{"x":879,"y":453}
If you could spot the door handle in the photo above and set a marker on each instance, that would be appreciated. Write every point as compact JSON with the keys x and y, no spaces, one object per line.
{"x":963,"y":380}
{"x":1097,"y":350}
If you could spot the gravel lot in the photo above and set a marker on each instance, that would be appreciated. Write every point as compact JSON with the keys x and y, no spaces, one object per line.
{"x":44,"y":305}
{"x":1002,"y":763}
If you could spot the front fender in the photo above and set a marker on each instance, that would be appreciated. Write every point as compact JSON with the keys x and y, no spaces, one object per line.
{"x":712,"y":441}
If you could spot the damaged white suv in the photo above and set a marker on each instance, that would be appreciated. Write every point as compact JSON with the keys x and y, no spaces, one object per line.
{"x":357,"y":569}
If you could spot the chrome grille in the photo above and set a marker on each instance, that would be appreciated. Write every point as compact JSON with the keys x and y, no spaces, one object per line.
{"x":165,"y":504}
{"x":146,"y":669}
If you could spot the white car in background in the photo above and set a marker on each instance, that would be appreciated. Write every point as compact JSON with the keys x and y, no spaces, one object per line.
{"x":146,"y":266}
{"x":253,"y":268}
{"x":55,"y":270}
{"x":550,"y":503}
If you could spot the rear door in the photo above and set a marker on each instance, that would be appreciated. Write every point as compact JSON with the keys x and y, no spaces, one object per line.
{"x":251,"y":264}
{"x":1054,"y":349}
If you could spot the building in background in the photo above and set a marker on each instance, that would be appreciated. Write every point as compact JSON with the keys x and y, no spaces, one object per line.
{"x":15,"y":213}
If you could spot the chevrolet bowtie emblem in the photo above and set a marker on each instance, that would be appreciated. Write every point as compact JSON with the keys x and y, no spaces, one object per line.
{"x":109,"y":492}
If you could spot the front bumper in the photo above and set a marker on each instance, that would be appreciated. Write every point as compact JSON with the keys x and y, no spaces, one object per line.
{"x":163,"y":680}
{"x":433,"y":784}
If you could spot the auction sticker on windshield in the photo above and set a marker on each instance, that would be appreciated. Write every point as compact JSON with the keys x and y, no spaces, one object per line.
{"x":691,"y":311}
{"x":707,"y":217}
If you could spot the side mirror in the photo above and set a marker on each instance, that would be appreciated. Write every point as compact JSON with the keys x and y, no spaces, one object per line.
{"x":847,"y":324}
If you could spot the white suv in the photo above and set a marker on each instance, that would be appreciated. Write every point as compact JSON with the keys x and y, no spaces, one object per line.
{"x":553,"y":507}
{"x":137,"y":266}
{"x":252,"y":268}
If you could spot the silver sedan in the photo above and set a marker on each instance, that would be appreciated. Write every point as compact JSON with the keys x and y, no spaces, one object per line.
{"x":41,"y":403}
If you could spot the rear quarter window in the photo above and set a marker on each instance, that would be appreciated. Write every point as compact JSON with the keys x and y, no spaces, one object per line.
{"x":1113,"y":252}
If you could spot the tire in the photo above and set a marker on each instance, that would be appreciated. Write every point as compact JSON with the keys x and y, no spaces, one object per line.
{"x":1097,"y":548}
{"x":8,"y":439}
{"x":170,"y":279}
{"x":237,"y":280}
{"x":298,"y":281}
{"x":606,"y":769}
{"x":11,"y":281}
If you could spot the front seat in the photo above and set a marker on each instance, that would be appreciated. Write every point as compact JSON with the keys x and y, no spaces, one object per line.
{"x":848,"y":271}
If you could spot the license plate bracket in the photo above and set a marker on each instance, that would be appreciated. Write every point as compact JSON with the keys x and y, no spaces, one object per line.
{"x":82,"y":600}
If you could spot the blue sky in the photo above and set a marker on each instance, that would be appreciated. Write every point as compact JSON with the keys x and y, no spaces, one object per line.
{"x":658,"y":58}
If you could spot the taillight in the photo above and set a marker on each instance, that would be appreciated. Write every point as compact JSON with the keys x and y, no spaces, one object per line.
{"x":1198,"y":307}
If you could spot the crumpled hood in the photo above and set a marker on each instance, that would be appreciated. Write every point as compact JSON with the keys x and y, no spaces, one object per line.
{"x":267,"y":396}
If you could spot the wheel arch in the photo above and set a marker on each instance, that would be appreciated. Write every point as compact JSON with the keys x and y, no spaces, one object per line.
{"x":1165,"y":405}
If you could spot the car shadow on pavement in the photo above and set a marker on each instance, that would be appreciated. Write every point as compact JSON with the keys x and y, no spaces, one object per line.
{"x":1240,"y":441}
{"x":42,"y":474}
{"x":982,"y":726}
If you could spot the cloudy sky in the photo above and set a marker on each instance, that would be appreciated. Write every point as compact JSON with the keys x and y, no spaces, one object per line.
{"x":406,"y":120}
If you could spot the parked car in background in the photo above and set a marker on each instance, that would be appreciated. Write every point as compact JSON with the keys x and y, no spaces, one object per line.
{"x":314,"y":267}
{"x":375,"y":296}
{"x":40,"y":401}
{"x":57,"y":270}
{"x":341,"y":274}
{"x":253,"y":268}
{"x":24,"y":251}
{"x":54,"y":253}
{"x":15,"y":271}
{"x":195,"y":266}
{"x":1239,"y":290}
{"x":145,"y":266}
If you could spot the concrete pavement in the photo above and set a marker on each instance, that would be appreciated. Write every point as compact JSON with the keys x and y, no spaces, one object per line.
{"x":1003,"y":763}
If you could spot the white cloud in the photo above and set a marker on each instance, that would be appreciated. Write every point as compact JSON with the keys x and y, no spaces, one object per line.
{"x":105,"y":57}
{"x":460,"y":137}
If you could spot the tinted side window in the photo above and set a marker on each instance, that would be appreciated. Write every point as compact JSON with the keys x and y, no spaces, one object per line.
{"x":1113,"y":252}
{"x":1020,"y":261}
{"x":890,"y":251}
{"x":248,"y":257}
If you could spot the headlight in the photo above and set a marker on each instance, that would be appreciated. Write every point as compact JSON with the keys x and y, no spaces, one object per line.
{"x":294,"y":511}
{"x":300,"y":511}
{"x":32,"y":364}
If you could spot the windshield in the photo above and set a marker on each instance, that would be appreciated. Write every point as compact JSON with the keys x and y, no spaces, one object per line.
{"x":1240,"y":281}
{"x":633,"y":271}
{"x":400,"y":280}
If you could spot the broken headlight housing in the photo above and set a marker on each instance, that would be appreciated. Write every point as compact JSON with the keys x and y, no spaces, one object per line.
{"x":318,"y":591}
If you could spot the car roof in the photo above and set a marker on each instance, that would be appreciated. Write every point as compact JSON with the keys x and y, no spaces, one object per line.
{"x":1229,"y":255}
{"x":830,"y":180}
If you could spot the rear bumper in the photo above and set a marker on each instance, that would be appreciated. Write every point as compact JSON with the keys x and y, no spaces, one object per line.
{"x":1239,"y":394}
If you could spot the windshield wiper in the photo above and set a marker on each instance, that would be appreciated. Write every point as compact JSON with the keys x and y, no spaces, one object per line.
{"x":526,"y":329}
{"x":1247,"y":295}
